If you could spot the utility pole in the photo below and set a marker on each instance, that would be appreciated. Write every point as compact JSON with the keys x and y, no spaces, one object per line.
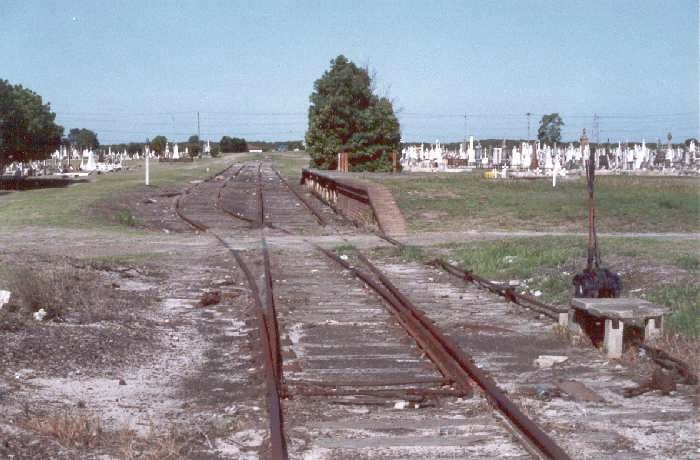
{"x":528,"y":125}
{"x":596,"y":129}
{"x":466,"y":130}
{"x":198,"y":133}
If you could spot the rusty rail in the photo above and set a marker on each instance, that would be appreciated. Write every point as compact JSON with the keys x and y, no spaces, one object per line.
{"x":505,"y":291}
{"x":407,"y":313}
{"x":219,"y":197}
{"x":433,"y":345}
{"x":319,"y":217}
{"x":195,"y":224}
{"x":271,"y":314}
{"x":261,"y":203}
{"x":278,"y":444}
{"x":267,"y":325}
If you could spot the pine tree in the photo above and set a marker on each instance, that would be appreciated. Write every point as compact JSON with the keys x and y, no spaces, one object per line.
{"x":345,"y":116}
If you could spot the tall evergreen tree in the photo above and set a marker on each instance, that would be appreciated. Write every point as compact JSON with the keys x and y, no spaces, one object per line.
{"x":345,"y":116}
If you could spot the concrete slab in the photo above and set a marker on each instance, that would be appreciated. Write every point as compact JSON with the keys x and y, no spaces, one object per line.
{"x":620,"y":312}
{"x":629,"y":310}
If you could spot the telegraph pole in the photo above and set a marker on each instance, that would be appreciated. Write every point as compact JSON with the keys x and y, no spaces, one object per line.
{"x":466,"y":130}
{"x":596,"y":129}
{"x":198,"y":133}
{"x":528,"y":125}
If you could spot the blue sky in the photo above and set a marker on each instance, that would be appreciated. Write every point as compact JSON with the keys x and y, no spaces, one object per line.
{"x":131,"y":70}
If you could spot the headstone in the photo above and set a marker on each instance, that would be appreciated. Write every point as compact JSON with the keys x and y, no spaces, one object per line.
{"x":87,"y":162}
{"x":4,"y":297}
{"x":471,"y":154}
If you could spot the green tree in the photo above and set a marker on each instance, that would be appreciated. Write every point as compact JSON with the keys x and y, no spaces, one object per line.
{"x":158,"y":144}
{"x":345,"y":116}
{"x":549,"y":131}
{"x":233,"y":144}
{"x":194,"y":145}
{"x":27,"y":128}
{"x":134,"y":147}
{"x":83,"y":139}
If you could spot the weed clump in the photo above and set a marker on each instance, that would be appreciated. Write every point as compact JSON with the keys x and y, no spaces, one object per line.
{"x":47,"y":295}
{"x":70,"y":429}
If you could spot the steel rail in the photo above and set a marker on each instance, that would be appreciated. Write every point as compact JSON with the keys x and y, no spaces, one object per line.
{"x":196,"y":224}
{"x":436,"y":351}
{"x":278,"y":444}
{"x":268,"y":333}
{"x":219,"y":197}
{"x":319,"y":217}
{"x":504,"y":291}
{"x":271,"y":312}
{"x":523,"y":424}
{"x":261,"y":203}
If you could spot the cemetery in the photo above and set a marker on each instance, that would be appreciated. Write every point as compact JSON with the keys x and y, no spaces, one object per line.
{"x":326,"y":281}
{"x":533,"y":159}
{"x":72,"y":163}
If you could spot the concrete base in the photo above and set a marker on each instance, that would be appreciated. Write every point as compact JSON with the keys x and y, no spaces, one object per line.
{"x":617,"y":314}
{"x":612,"y":342}
{"x":563,"y":319}
{"x":653,"y":328}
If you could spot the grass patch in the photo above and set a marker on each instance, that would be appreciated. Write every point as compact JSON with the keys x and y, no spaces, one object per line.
{"x":125,"y":218}
{"x":290,"y":164}
{"x":516,"y":258}
{"x":684,"y":299}
{"x":688,"y":261}
{"x":411,"y":254}
{"x":70,"y":207}
{"x":344,"y":248}
{"x":546,"y":266}
{"x":468,"y":201}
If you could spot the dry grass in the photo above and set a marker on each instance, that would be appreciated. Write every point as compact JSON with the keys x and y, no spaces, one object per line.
{"x":81,"y":431}
{"x":564,"y":334}
{"x":70,"y":429}
{"x":33,"y":289}
{"x":173,"y":443}
{"x":64,"y":292}
{"x":681,"y":347}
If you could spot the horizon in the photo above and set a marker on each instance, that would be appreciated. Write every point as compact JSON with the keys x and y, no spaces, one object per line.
{"x":131,"y":71}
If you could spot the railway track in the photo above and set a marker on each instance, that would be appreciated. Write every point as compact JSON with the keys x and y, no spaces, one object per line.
{"x":341,"y":361}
